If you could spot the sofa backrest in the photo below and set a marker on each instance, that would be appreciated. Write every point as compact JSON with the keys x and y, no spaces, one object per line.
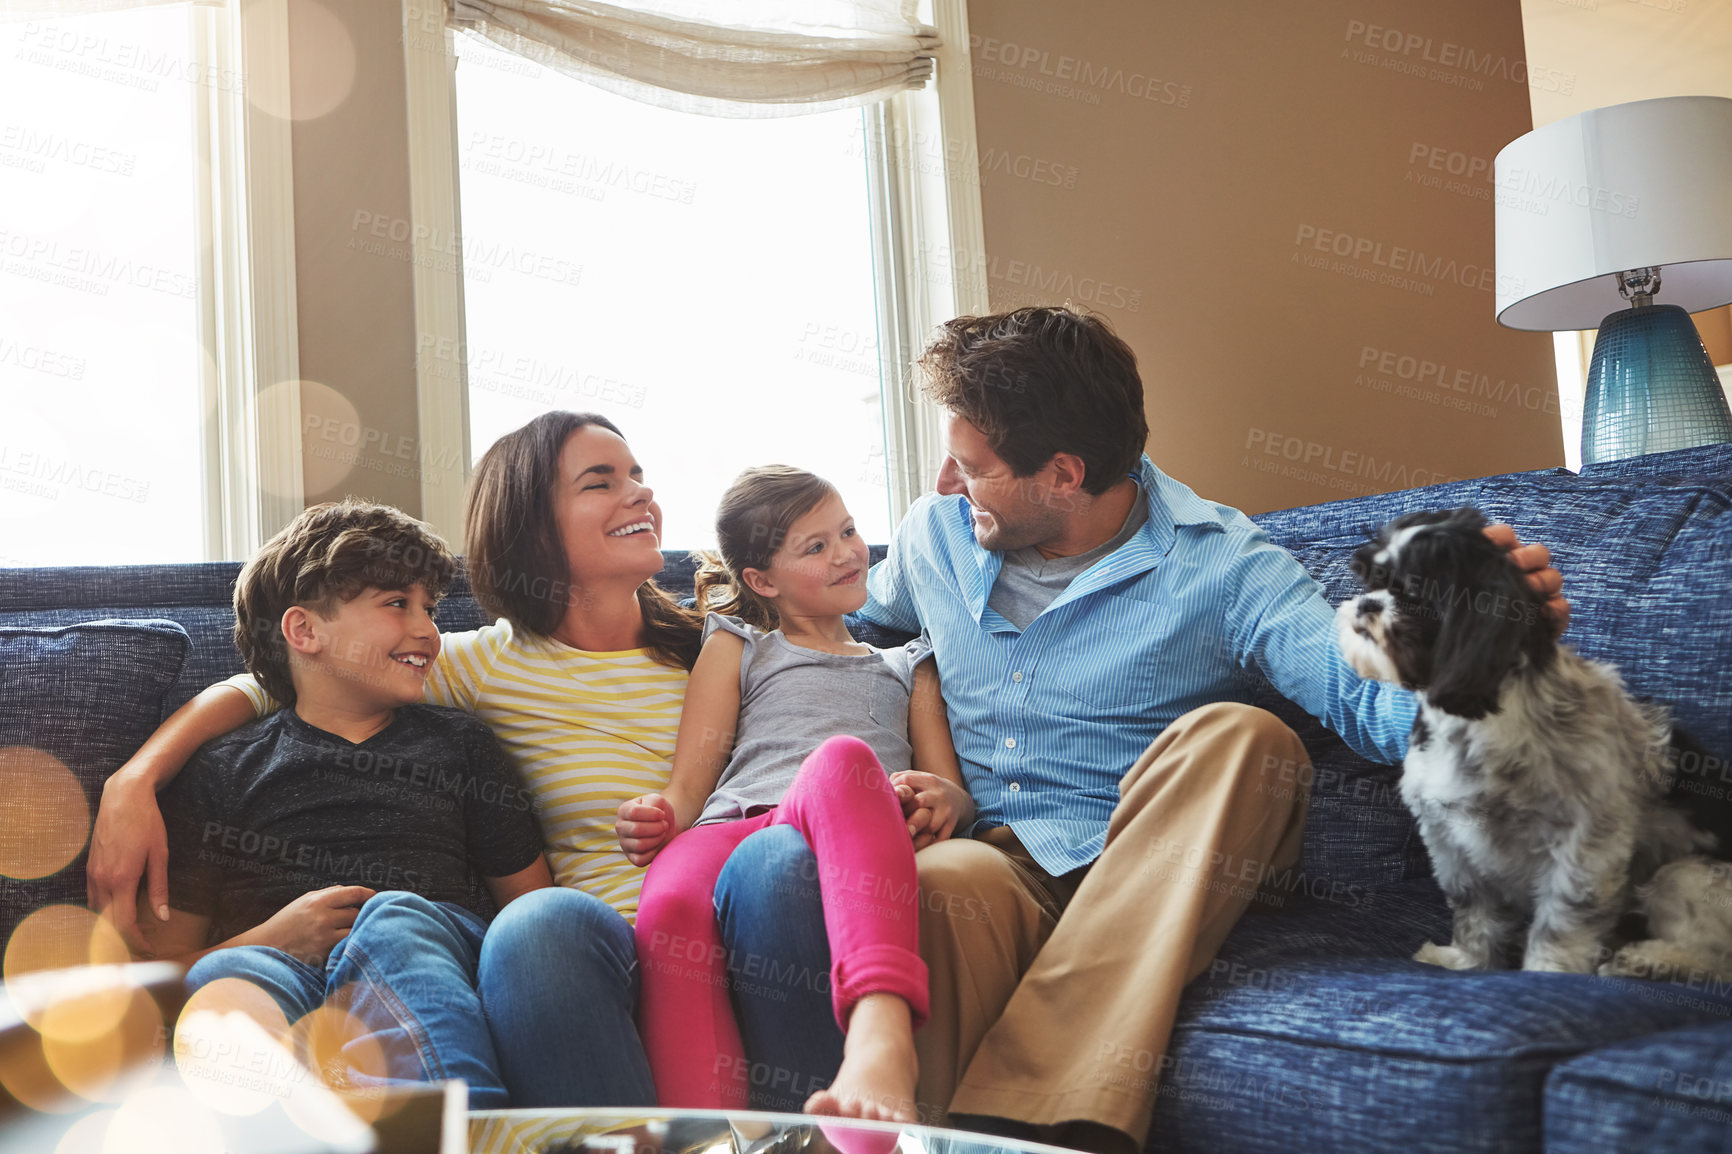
{"x":1645,"y":546}
{"x":200,"y":598}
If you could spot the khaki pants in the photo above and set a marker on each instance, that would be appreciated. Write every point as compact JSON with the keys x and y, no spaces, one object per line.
{"x":1053,"y":997}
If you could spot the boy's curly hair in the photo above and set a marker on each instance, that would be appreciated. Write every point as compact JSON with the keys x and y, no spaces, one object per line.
{"x":325,"y":556}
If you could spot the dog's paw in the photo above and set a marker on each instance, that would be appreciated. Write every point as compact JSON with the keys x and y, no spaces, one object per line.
{"x":1448,"y":957}
{"x":1560,"y":957}
{"x":1560,"y":964}
{"x":1655,"y":960}
{"x":1630,"y":962}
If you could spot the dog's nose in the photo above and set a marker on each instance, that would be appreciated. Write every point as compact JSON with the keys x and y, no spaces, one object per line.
{"x":1370,"y":606}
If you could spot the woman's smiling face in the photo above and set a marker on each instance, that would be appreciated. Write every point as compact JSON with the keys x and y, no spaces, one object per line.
{"x":608,"y":520}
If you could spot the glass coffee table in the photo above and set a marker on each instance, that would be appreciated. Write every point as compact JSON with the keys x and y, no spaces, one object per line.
{"x":656,"y":1131}
{"x":230,"y":1086}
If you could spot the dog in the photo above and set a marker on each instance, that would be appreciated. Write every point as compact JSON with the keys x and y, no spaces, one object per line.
{"x":1538,"y":783}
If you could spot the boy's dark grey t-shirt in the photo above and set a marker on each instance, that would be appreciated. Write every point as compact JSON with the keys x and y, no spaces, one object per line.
{"x":279,"y":808}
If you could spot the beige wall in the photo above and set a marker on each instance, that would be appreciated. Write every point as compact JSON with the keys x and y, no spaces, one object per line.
{"x":353,"y":286}
{"x":1716,"y":329}
{"x":1623,"y":51}
{"x":1174,"y":167}
{"x":1204,"y":152}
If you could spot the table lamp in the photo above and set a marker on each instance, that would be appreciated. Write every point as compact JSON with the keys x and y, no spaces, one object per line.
{"x":1621,"y":218}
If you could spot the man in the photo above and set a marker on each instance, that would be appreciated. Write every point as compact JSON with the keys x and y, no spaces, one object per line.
{"x":1093,"y":621}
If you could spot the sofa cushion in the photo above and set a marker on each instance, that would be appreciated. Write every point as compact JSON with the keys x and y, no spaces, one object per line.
{"x":1312,"y":1030}
{"x":86,"y":696}
{"x":1670,"y":1091}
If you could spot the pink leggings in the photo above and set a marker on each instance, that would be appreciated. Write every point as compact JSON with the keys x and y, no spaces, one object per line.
{"x":843,"y":803}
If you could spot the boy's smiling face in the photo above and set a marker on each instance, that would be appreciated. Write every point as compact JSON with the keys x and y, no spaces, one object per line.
{"x":379,"y":644}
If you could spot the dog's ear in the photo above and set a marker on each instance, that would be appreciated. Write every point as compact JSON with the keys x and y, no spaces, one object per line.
{"x":1487,"y":615}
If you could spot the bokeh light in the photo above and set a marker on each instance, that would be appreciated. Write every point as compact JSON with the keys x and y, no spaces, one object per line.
{"x":163,"y":1120}
{"x":110,"y":1065}
{"x":25,"y":1073}
{"x":229,"y":1066}
{"x":44,"y":817}
{"x":68,"y":1007}
{"x":329,"y":66}
{"x":331,"y":433}
{"x":58,"y":936}
{"x":87,"y":1135}
{"x":344,"y":1054}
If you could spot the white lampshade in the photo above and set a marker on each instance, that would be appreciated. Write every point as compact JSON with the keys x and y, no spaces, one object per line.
{"x":1631,"y":186}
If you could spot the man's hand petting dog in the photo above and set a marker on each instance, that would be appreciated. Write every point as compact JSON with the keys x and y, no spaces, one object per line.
{"x":1535,"y":562}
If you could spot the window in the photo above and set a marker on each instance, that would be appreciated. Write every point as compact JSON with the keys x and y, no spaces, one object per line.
{"x":127,"y":348}
{"x":706,"y":284}
{"x":99,"y":291}
{"x":729,"y":292}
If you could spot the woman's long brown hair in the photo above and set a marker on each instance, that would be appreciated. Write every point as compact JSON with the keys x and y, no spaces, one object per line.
{"x":517,"y":563}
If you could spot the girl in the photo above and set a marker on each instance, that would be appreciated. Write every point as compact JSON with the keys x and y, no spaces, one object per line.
{"x":778,"y":677}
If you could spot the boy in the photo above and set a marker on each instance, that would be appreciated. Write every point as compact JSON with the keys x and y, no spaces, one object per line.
{"x":331,"y":848}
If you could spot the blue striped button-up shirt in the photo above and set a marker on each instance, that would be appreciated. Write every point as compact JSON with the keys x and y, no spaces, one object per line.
{"x":1048,"y":719}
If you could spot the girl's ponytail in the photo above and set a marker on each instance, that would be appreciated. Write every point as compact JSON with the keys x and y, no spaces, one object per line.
{"x":718,"y":591}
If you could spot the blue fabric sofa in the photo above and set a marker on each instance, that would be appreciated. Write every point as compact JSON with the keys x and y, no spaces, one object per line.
{"x":1313,"y":1030}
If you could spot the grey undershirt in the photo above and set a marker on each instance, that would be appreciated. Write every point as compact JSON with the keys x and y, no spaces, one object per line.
{"x":1028,"y":582}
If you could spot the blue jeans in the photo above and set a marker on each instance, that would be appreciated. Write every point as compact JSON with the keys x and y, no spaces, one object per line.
{"x":772,"y":924}
{"x":407,"y":971}
{"x":559,"y":980}
{"x":538,"y":1012}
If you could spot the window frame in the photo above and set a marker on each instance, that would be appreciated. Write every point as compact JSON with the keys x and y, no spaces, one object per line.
{"x":917,"y":209}
{"x":249,"y":331}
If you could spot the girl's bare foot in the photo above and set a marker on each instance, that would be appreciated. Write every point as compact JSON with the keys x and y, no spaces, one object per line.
{"x":876,"y":1081}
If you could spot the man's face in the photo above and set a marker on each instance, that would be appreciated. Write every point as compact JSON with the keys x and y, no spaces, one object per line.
{"x":1009,"y":512}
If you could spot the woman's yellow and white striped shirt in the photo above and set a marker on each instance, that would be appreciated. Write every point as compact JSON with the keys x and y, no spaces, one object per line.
{"x":586,"y":731}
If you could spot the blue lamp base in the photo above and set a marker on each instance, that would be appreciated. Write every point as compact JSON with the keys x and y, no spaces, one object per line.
{"x":1651,"y":387}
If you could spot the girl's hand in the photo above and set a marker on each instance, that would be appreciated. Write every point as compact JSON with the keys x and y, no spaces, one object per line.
{"x":309,"y":927}
{"x":933,"y":806}
{"x":644,"y":825}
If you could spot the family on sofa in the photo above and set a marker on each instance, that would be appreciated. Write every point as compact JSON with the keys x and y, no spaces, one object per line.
{"x":1084,"y":621}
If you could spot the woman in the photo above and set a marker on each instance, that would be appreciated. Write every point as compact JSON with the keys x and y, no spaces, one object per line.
{"x":582,"y":680}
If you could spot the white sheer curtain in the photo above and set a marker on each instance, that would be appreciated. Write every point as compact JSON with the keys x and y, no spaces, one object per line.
{"x":735,"y":58}
{"x":48,"y":9}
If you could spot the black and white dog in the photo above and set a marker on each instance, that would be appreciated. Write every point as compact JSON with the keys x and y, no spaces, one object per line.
{"x":1537,"y":781}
